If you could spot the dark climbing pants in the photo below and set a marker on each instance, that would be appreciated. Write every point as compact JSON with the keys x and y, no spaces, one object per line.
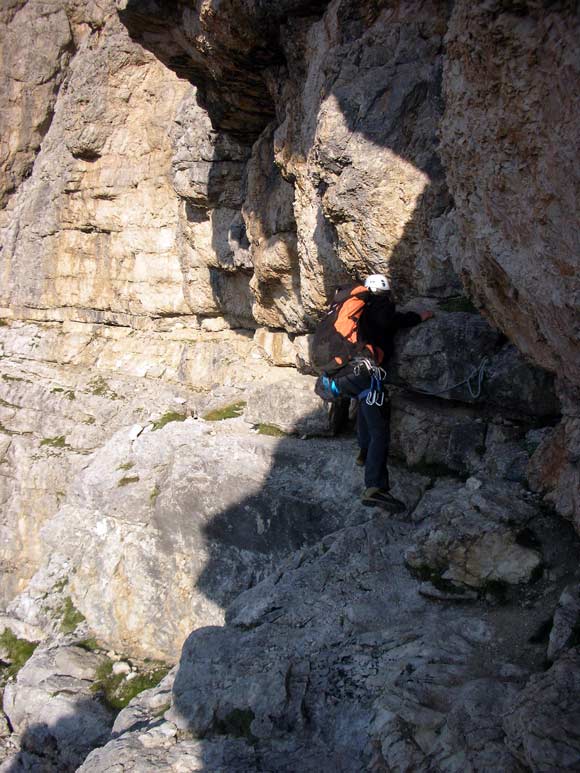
{"x":373,"y":429}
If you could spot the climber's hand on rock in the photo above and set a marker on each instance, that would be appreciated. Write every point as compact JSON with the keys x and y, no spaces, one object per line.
{"x":425,"y":315}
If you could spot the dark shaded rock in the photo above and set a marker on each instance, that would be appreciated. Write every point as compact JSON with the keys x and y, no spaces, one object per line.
{"x":432,"y":436}
{"x":25,"y":762}
{"x":451,"y":592}
{"x":507,"y":452}
{"x":516,"y":385}
{"x":542,"y":724}
{"x":233,"y":81}
{"x":328,"y":655}
{"x":439,"y":437}
{"x":443,"y":352}
{"x":565,"y":631}
{"x":458,"y":356}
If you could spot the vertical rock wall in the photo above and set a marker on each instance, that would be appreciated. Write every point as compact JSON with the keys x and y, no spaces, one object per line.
{"x":510,"y":148}
{"x":426,"y":140}
{"x":94,"y":226}
{"x":183,"y":184}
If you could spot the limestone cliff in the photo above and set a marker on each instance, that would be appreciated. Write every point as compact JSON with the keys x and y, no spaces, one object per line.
{"x":182,"y":186}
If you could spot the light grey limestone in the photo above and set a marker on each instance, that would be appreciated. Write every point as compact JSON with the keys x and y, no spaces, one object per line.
{"x":52,"y":708}
{"x":293,"y":407}
{"x":476,"y":536}
{"x":201,"y":508}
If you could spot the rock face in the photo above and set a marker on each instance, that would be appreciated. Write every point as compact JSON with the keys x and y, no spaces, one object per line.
{"x":512,"y":175}
{"x":231,"y":174}
{"x":336,"y":660}
{"x":31,"y":83}
{"x":201,"y":508}
{"x":182,"y":186}
{"x":96,"y":224}
{"x":52,"y":708}
{"x":339,"y":140}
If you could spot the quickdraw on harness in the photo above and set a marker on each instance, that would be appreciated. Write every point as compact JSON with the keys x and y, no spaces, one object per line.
{"x":374,"y":394}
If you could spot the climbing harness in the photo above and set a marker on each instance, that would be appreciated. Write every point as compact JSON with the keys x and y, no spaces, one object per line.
{"x":344,"y":383}
{"x":329,"y":387}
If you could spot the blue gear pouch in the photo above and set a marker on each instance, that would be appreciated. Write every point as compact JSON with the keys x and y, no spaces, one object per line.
{"x":327,"y":389}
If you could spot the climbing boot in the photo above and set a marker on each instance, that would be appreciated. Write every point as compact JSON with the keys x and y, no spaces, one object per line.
{"x":378,"y":497}
{"x":361,"y":458}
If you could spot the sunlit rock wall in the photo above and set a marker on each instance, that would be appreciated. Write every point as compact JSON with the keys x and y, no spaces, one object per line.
{"x":183,"y":186}
{"x":94,"y":227}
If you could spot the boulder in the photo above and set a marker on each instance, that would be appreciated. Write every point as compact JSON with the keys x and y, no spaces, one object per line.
{"x":565,"y":631}
{"x":292,"y":406}
{"x":475,"y":537}
{"x":52,"y":708}
{"x":542,"y":722}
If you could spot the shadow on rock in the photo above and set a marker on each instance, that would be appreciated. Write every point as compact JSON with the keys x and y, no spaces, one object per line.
{"x":312,"y":489}
{"x":63,"y":745}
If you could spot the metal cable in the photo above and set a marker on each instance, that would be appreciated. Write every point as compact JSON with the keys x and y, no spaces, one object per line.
{"x":478,"y":372}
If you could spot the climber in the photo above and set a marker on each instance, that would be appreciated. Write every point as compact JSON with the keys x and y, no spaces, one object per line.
{"x":378,"y":324}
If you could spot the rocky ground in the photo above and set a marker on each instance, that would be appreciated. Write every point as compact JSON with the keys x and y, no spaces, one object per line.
{"x":167,"y":510}
{"x":325,"y":635}
{"x":412,"y":643}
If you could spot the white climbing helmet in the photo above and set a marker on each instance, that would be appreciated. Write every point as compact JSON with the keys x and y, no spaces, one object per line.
{"x":377,"y":283}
